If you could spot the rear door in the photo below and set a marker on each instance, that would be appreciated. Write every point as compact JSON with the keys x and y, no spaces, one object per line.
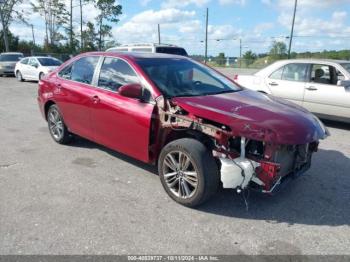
{"x":119,"y":122}
{"x":289,"y":81}
{"x":33,"y":65}
{"x":323,"y":95}
{"x":75,"y":95}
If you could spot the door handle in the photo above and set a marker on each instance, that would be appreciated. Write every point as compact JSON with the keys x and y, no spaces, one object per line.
{"x":95,"y":99}
{"x":311,"y":88}
{"x":273,"y":84}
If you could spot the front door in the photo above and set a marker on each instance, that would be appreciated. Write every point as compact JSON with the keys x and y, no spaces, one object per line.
{"x":322,"y":94}
{"x":120,"y":123}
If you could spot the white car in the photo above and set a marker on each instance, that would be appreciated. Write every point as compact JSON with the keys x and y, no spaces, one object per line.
{"x":321,"y":86}
{"x":35,"y":67}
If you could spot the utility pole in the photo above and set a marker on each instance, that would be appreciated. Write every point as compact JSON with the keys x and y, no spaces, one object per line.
{"x":291,"y":32}
{"x":4,"y":29}
{"x":158,"y":34}
{"x":71,"y":25}
{"x":32,"y":26}
{"x":240,"y":52}
{"x":81,"y":25}
{"x":206,"y":37}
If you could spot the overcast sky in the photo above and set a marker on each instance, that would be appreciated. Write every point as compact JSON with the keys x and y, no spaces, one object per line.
{"x":320,"y":24}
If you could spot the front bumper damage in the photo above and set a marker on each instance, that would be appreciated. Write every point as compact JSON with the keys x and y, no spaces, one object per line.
{"x":264,"y":176}
{"x":247,"y":158}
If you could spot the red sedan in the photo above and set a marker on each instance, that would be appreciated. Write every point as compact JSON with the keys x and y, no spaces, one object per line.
{"x":199,"y":127}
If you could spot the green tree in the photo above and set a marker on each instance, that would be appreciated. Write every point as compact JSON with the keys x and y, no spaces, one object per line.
{"x":55,"y":16}
{"x":8,"y":13}
{"x":109,"y":12}
{"x":11,"y":39}
{"x":278,"y":50}
{"x":81,"y":4}
{"x":89,"y":38}
{"x":249,"y":58}
{"x":220,"y":59}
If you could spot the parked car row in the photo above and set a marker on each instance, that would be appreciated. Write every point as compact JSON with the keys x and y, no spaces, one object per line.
{"x":27,"y":68}
{"x":321,"y":86}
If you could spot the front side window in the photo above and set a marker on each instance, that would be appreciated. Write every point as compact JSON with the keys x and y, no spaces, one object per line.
{"x":83,"y":69}
{"x":346,"y":66}
{"x":322,"y":74}
{"x":115,"y":73}
{"x":47,"y":61}
{"x":182,"y":77}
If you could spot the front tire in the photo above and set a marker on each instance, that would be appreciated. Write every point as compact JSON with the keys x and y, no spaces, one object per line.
{"x":41,"y":75}
{"x":58,"y":129}
{"x":19,"y":76}
{"x":188,"y":172}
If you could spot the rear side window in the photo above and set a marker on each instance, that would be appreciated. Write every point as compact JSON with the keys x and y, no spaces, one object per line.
{"x":147,"y":50}
{"x":291,"y":72}
{"x":81,"y":70}
{"x":115,"y":73}
{"x":25,"y":61}
{"x":172,"y":51}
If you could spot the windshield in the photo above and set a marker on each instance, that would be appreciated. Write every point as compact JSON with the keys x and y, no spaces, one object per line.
{"x":172,"y":51}
{"x":10,"y":58}
{"x":49,"y":61}
{"x":346,"y":66}
{"x":181,"y":77}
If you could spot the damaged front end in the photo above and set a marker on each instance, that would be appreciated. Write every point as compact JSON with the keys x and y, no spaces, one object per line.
{"x":247,"y":156}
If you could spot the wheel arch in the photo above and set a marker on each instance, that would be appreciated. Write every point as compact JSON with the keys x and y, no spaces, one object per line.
{"x":47,"y":106}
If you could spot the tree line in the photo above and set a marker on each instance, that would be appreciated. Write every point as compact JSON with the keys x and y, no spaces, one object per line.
{"x":60,"y":33}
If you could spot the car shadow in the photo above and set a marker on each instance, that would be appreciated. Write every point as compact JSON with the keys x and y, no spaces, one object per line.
{"x":336,"y":124}
{"x":84,"y":143}
{"x":320,"y":197}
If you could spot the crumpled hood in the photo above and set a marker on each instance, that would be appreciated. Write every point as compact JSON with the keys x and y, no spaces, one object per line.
{"x":257,"y":116}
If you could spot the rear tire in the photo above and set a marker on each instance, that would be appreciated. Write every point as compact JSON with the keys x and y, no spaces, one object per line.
{"x":188,"y":172}
{"x":57,"y":128}
{"x":19,"y":76}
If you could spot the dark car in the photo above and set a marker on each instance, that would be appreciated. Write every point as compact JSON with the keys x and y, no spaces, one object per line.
{"x":196,"y":125}
{"x":8,"y":62}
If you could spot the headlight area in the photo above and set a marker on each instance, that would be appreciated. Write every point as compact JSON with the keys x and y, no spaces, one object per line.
{"x":262,"y":166}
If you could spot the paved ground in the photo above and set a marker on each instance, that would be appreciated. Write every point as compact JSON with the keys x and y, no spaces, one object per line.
{"x":85,"y":199}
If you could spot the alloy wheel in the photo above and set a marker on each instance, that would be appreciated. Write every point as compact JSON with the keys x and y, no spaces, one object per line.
{"x":56,"y":124}
{"x":180,"y":174}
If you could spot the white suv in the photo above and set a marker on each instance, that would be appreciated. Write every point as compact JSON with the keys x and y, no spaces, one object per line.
{"x":150,"y":48}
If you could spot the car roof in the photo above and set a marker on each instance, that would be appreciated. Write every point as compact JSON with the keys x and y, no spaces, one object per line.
{"x":11,"y":53}
{"x":313,"y":60}
{"x":135,"y":55}
{"x":145,"y":45}
{"x":41,"y":57}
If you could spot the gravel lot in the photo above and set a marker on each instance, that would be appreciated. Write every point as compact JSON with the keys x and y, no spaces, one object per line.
{"x":86,"y":199}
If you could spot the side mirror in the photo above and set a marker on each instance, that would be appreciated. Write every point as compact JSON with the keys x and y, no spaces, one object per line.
{"x":35,"y":65}
{"x":131,"y":90}
{"x":345,"y":83}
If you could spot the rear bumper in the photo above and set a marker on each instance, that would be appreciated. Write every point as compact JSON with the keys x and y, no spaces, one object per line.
{"x":4,"y":71}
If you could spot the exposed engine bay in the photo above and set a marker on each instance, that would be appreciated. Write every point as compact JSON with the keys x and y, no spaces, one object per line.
{"x":243,"y":162}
